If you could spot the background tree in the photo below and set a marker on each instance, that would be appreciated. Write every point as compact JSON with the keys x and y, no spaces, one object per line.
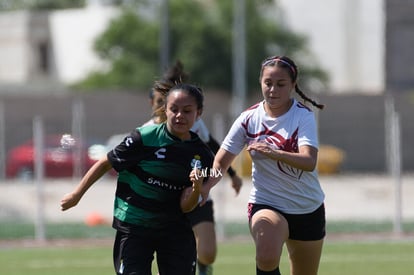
{"x":130,"y":47}
{"x":200,"y":36}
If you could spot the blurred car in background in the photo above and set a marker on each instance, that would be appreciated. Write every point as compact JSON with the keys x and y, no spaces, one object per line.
{"x":59,"y":161}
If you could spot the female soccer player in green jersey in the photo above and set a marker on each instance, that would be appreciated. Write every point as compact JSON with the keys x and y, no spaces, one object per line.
{"x":157,"y":184}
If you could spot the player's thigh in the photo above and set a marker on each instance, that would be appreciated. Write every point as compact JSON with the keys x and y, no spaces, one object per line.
{"x":304,"y":256}
{"x":133,"y":254}
{"x":269,"y":230}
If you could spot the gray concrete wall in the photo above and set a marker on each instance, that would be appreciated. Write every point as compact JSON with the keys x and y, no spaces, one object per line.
{"x":399,"y":41}
{"x":354,"y":123}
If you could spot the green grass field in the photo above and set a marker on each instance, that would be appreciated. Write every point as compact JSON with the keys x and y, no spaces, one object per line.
{"x":380,"y":258}
{"x":84,"y":252}
{"x":11,"y":230}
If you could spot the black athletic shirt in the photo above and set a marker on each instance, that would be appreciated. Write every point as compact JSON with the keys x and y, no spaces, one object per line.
{"x":153,"y":169}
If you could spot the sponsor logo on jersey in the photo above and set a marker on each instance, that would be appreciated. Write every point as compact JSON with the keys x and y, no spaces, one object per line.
{"x":163,"y":184}
{"x":129,"y":141}
{"x":196,"y":162}
{"x":160,"y":153}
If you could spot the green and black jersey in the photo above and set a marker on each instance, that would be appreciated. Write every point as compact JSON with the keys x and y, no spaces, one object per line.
{"x":153,"y":169}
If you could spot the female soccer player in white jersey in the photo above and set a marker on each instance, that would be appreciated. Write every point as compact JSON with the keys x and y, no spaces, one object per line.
{"x":286,"y":204}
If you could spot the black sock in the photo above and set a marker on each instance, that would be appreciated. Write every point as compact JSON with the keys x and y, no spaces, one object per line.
{"x":273,"y":272}
{"x":204,"y":269}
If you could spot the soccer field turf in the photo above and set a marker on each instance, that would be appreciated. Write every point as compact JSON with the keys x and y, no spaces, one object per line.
{"x":379,"y":258}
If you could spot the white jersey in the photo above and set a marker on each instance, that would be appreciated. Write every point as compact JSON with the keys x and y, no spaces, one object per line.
{"x":199,"y":127}
{"x":275,"y":183}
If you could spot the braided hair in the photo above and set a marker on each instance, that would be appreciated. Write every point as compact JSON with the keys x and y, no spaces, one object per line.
{"x":287,"y":63}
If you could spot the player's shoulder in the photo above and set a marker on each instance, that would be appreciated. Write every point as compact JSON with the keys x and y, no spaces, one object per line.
{"x":149,"y":122}
{"x":302,"y":113}
{"x":152,"y":134}
{"x":148,"y":128}
{"x":254,"y":107}
{"x":302,"y":107}
{"x":251,"y":112}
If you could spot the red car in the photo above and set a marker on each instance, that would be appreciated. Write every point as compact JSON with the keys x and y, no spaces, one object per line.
{"x":59,"y":161}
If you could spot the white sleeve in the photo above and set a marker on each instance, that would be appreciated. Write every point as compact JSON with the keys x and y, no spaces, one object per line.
{"x":235,"y":139}
{"x":201,"y":130}
{"x":308,"y":131}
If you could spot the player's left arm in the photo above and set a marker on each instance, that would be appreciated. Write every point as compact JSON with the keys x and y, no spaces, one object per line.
{"x":307,"y":155}
{"x":305,"y":159}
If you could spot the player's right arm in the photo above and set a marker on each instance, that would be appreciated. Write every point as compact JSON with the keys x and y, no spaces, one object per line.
{"x":94,"y":173}
{"x":190,"y":196}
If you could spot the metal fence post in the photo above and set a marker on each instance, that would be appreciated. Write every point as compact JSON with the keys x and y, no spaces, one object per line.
{"x":38,"y":138}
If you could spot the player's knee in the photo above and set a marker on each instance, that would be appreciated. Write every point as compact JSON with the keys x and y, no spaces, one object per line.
{"x":207,"y":253}
{"x":266,"y":260}
{"x":207,"y":258}
{"x":266,"y":263}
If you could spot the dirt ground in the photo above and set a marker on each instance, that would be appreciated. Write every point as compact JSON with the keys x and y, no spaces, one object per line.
{"x":356,"y":197}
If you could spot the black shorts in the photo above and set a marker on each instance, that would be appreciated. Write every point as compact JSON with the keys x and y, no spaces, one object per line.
{"x":176,"y":253}
{"x":203,"y":213}
{"x":302,"y":227}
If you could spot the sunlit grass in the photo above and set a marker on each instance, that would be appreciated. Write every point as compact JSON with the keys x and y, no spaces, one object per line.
{"x":339,"y":258}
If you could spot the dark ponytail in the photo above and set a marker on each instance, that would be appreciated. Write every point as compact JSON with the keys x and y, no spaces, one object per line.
{"x":306,"y":98}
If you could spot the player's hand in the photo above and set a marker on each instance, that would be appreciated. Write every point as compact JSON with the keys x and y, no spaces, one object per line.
{"x":68,"y":201}
{"x":191,"y":195}
{"x":197,"y":179}
{"x":264,"y":148}
{"x":236,"y":183}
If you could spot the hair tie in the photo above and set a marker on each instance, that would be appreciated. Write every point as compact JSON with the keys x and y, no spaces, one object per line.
{"x":277,"y":59}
